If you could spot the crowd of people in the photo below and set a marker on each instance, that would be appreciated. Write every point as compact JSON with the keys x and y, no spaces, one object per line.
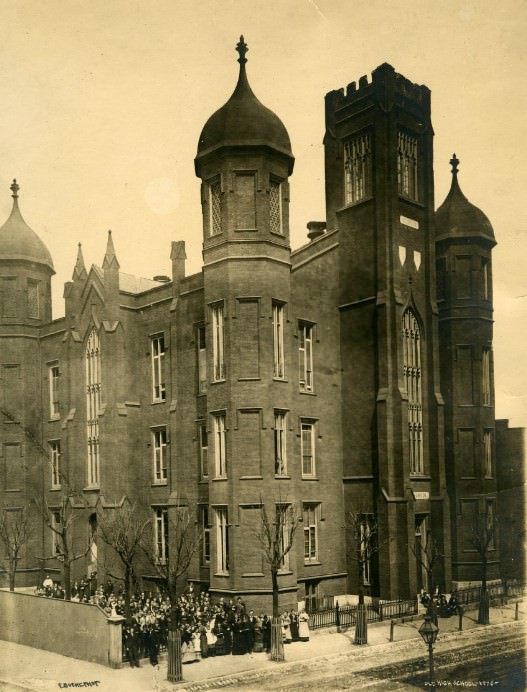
{"x":206,"y":628}
{"x":439,"y":604}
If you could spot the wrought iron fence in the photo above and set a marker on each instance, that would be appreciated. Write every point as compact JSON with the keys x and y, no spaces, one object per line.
{"x":346,"y":616}
{"x":507,"y":589}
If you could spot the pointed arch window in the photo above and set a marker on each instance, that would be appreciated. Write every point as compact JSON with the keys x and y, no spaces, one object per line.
{"x":93,"y":404}
{"x":412,"y":377}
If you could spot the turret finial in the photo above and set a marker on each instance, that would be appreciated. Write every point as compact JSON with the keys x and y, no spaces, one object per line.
{"x":454,"y":162}
{"x":242,"y":49}
{"x":15,"y":187}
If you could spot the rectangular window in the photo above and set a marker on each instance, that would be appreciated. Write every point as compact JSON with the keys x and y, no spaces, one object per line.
{"x":203,"y":450}
{"x":485,"y":384}
{"x":158,"y":368}
{"x":305,"y":357}
{"x":161,"y":534}
{"x":407,"y":166}
{"x":53,"y":374}
{"x":278,"y":341}
{"x":202,"y":359}
{"x":160,"y":454}
{"x":220,"y":459}
{"x":485,"y":285}
{"x":463,"y":276}
{"x":54,"y":458}
{"x":488,"y":457}
{"x":215,"y":207}
{"x":205,"y":535}
{"x":275,"y":207}
{"x":307,"y":445}
{"x":280,"y":447}
{"x":218,"y":355}
{"x":311,"y":512}
{"x":56,"y":530}
{"x":33,"y":299}
{"x":283,"y":522}
{"x":465,"y":452}
{"x":357,"y":169}
{"x":222,"y":541}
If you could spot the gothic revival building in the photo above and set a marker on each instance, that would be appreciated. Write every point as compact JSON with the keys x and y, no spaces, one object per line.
{"x":350,"y":378}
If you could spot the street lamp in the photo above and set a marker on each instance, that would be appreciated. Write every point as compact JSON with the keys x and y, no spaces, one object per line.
{"x":429,"y":632}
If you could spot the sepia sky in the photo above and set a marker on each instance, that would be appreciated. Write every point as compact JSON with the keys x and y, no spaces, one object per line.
{"x":103,"y":103}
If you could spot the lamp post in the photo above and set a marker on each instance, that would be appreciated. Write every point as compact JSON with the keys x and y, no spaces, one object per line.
{"x":429,"y":632}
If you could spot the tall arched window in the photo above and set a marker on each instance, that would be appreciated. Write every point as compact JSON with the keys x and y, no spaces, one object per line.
{"x":93,"y":403}
{"x":412,"y":378}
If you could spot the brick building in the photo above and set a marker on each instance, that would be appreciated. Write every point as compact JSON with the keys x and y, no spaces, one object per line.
{"x":350,"y":378}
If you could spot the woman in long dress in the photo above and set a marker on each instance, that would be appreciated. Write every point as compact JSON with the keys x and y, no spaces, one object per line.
{"x":303,"y":626}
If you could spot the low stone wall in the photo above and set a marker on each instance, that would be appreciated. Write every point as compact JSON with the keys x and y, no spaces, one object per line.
{"x":79,"y":630}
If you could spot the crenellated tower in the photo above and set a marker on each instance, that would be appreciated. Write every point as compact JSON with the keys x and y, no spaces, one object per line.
{"x":464,"y":243}
{"x":380,"y":197}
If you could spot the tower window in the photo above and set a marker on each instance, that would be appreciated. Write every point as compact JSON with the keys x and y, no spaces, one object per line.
{"x":485,"y":377}
{"x":278,"y":341}
{"x":202,"y":359}
{"x":222,"y":540}
{"x":215,"y":207}
{"x":203,"y":451}
{"x":275,"y":207}
{"x":220,"y":458}
{"x":307,"y":445}
{"x":280,"y":447}
{"x":485,"y":283}
{"x":407,"y":166}
{"x":412,"y":378}
{"x":487,"y":453}
{"x":217,"y":342}
{"x":357,"y":169}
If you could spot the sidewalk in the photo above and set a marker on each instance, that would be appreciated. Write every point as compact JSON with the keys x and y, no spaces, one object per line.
{"x":24,"y":668}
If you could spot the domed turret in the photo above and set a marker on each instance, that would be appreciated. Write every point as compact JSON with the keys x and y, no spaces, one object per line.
{"x":18,"y":242}
{"x":243,"y":122}
{"x":458,"y":218}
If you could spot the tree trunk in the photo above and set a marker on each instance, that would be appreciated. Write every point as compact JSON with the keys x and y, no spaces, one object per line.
{"x":12,"y":575}
{"x":277,"y":644}
{"x":66,"y":574}
{"x":127,"y":590}
{"x":483,"y":613}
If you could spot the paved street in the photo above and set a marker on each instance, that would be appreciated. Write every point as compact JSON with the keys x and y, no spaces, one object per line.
{"x":329,"y":661}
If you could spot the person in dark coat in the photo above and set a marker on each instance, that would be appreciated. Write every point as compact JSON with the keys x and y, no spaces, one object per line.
{"x":293,"y":625}
{"x":266,"y":633}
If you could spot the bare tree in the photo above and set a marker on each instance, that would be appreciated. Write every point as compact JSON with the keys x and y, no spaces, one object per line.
{"x":14,"y":534}
{"x":61,"y":520}
{"x":171,"y":562}
{"x":275,"y":535}
{"x":123,"y":528}
{"x":366,"y":544}
{"x":483,"y":537}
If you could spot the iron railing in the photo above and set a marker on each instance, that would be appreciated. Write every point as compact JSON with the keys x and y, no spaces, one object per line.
{"x":346,"y":616}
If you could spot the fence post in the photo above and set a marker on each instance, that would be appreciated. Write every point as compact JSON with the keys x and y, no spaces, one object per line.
{"x":337,"y":616}
{"x":460,"y":613}
{"x":392,"y":625}
{"x":516,"y":610}
{"x":115,"y":641}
